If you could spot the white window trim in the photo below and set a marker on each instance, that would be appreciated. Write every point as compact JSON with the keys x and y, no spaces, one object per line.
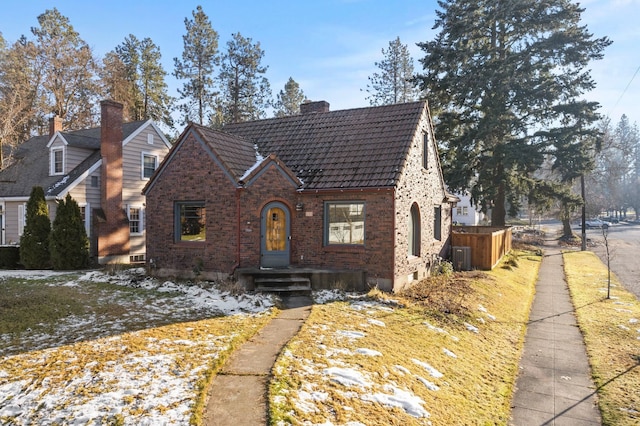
{"x":87,"y":217}
{"x":52,"y":165}
{"x":22,"y":218}
{"x":142,"y":156}
{"x":140,"y":220}
{"x":150,"y":138}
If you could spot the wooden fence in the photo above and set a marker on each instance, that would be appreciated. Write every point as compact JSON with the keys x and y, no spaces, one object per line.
{"x":488,"y":243}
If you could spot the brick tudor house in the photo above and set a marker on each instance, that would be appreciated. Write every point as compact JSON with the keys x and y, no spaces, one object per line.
{"x":351,"y":198}
{"x":103,"y":169}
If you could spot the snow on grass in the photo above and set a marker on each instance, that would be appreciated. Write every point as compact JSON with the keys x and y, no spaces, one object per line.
{"x":347,"y":377}
{"x":368,"y":352}
{"x":106,"y":373}
{"x":428,"y":368}
{"x":399,"y":398}
{"x":471,"y":328}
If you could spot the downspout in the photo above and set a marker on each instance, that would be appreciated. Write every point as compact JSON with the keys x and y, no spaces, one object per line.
{"x":393,"y":239}
{"x":238,"y":227}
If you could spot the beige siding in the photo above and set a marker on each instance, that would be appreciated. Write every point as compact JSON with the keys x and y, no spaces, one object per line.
{"x":85,"y":193}
{"x":72,"y":156}
{"x":132,"y":163}
{"x":133,"y":181}
{"x":75,"y":156}
{"x":12,"y":220}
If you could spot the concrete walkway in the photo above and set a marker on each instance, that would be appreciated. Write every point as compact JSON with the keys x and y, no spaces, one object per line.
{"x":238,"y":395}
{"x":554,"y":386}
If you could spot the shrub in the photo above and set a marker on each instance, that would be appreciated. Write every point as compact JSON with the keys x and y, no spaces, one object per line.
{"x":34,"y":242}
{"x":69,"y":242}
{"x":9,"y":257}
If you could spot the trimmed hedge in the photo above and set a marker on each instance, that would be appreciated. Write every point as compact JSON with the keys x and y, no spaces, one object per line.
{"x":9,"y":257}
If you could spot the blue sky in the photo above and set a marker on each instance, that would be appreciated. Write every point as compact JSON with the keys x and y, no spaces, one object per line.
{"x":329,"y":47}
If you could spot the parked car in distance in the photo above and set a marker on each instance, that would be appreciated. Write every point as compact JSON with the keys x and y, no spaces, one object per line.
{"x":611,"y":219}
{"x":597,"y":223}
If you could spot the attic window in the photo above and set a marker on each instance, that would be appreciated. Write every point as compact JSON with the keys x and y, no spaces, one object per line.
{"x":57,"y":161}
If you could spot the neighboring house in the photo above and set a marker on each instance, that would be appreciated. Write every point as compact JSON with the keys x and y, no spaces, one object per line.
{"x":104,"y":169}
{"x":356,"y":190}
{"x":467,"y":214}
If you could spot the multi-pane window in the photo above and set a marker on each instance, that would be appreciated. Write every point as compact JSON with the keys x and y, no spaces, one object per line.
{"x":135,"y":220}
{"x":149,"y":164}
{"x":344,"y":223}
{"x":57,"y":161}
{"x":462,"y":211}
{"x":190,"y":221}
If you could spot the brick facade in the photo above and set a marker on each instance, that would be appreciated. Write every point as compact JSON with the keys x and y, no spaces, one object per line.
{"x":195,"y":171}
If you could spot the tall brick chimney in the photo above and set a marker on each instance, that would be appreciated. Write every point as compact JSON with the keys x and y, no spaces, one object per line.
{"x":309,"y":107}
{"x":55,"y":125}
{"x":112,"y":220}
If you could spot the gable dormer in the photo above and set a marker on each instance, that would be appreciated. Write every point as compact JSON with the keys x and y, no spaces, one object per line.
{"x":57,"y":147}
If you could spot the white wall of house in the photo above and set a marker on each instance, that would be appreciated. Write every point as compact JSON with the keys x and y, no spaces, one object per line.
{"x":466,"y":214}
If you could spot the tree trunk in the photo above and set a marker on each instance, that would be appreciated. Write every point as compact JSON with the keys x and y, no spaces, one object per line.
{"x":498,"y":211}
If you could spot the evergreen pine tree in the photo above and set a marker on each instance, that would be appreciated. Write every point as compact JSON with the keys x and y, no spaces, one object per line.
{"x":199,"y":58}
{"x":69,"y":243}
{"x":245,"y":93}
{"x":289,"y":99}
{"x":34,"y":243}
{"x":394,"y":83}
{"x":507,"y":80}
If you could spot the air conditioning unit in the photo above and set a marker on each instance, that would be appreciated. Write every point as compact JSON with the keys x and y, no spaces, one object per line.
{"x":461,"y":258}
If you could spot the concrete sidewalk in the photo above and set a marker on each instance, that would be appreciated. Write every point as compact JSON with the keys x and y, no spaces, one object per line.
{"x":238,"y":394}
{"x":554,"y":385}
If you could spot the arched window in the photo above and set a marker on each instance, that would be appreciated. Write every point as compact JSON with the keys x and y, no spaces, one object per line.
{"x":414,"y":231}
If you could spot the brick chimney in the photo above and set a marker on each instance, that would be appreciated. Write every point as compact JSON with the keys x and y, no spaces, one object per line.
{"x":55,"y":125}
{"x":112,"y":220}
{"x":309,"y":107}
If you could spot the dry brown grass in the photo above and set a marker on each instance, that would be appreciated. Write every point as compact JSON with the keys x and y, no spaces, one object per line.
{"x":479,"y":369}
{"x":611,"y":330}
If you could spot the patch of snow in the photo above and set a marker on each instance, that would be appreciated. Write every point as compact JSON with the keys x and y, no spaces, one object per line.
{"x":402,"y":369}
{"x":347,"y":376}
{"x":428,"y":384}
{"x":376,"y":322}
{"x":351,"y":334}
{"x":429,"y":369}
{"x":449,"y":353}
{"x":325,"y":296}
{"x":471,"y":327}
{"x":368,"y":352}
{"x":409,"y":402}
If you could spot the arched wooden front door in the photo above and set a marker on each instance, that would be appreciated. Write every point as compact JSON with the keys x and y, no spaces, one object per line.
{"x":275,"y":236}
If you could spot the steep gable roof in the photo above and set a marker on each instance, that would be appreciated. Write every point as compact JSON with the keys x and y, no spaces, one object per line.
{"x":354,"y":148}
{"x":236,"y":154}
{"x":31,"y":162}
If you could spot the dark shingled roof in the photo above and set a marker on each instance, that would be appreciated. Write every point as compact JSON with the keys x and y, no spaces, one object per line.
{"x":31,"y":162}
{"x":354,"y":148}
{"x":236,"y":154}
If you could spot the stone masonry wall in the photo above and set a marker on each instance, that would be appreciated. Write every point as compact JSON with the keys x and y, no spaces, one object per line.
{"x":423,"y":187}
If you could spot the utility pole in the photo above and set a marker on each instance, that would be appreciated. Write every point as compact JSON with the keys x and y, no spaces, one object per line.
{"x":583,"y":247}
